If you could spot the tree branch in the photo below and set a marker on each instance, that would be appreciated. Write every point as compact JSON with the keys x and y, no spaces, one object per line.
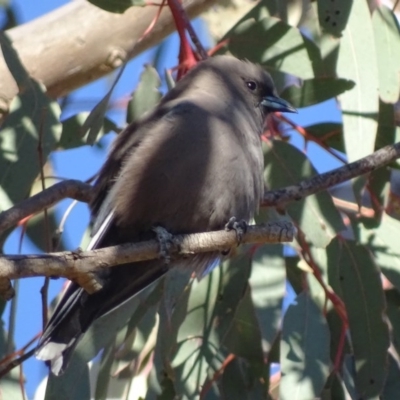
{"x":321,"y":182}
{"x":89,"y":52}
{"x":71,"y":188}
{"x":79,"y":266}
{"x":68,"y":264}
{"x":82,"y":192}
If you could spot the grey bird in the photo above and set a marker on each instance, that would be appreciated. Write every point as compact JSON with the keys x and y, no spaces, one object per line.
{"x":188,"y":166}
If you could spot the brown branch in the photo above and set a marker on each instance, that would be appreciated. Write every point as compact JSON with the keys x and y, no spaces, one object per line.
{"x":329,"y":179}
{"x":89,"y":52}
{"x":73,"y":189}
{"x":79,"y":265}
{"x":80,"y":191}
{"x":14,"y":363}
{"x":57,"y":264}
{"x":10,"y":361}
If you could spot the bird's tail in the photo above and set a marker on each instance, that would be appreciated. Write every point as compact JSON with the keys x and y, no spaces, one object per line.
{"x":62,"y":332}
{"x":77,"y":310}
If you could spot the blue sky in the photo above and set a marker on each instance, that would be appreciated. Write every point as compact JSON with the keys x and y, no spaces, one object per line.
{"x":84,"y":162}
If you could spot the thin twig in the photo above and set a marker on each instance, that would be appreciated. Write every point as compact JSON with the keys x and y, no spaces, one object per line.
{"x":309,"y":137}
{"x":217,"y":374}
{"x":22,"y":381}
{"x":45,"y":288}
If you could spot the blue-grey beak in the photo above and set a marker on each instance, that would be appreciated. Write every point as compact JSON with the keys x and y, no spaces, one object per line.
{"x":274,"y":103}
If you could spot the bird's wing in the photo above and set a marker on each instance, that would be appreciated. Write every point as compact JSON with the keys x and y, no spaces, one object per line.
{"x":77,"y":309}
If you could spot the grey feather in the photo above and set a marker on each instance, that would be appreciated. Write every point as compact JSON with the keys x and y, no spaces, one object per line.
{"x":188,"y":166}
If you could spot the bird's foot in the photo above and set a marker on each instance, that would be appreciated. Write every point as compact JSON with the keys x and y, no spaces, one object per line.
{"x":240,"y":227}
{"x":165,"y":239}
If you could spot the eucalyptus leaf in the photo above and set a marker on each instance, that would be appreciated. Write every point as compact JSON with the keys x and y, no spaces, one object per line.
{"x":276,"y":45}
{"x":305,"y":358}
{"x":71,"y":136}
{"x":316,"y":215}
{"x":358,"y":62}
{"x":314,"y":91}
{"x":330,"y":133}
{"x":354,"y":274}
{"x":117,"y":6}
{"x":333,"y":15}
{"x":387,"y":41}
{"x":146,"y":96}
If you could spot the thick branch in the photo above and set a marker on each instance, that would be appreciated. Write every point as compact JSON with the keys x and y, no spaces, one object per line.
{"x":321,"y":182}
{"x":79,"y":43}
{"x":78,"y":266}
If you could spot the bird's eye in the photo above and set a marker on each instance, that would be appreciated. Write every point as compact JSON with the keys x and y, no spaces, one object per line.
{"x":251,"y":85}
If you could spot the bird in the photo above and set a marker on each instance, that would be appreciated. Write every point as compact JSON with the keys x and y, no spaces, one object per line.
{"x":190,"y":165}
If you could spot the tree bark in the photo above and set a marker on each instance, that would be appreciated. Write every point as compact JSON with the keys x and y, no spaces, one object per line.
{"x":80,"y":265}
{"x":79,"y":43}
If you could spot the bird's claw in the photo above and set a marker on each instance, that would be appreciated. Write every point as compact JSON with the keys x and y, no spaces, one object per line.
{"x":240,"y":227}
{"x":165,"y":240}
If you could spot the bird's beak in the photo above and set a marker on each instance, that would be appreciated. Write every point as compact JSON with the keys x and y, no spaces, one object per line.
{"x":275,"y":103}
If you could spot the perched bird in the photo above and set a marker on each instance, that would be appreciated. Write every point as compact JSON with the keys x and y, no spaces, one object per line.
{"x":188,"y":166}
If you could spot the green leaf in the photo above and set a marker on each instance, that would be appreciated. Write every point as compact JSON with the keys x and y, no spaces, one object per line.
{"x":334,"y":389}
{"x":387,"y":41}
{"x":117,"y":6}
{"x":391,"y":391}
{"x":233,"y":384}
{"x":244,"y":337}
{"x":268,"y":287}
{"x":379,"y":188}
{"x":276,"y":45}
{"x":72,"y":127}
{"x":305,"y":357}
{"x":146,"y":96}
{"x":329,"y":47}
{"x":333,"y":15}
{"x":385,"y":246}
{"x":11,"y":19}
{"x":353,"y":273}
{"x":172,"y":312}
{"x":235,"y":274}
{"x":393,"y":313}
{"x":294,"y":274}
{"x":194,"y":347}
{"x":75,"y":381}
{"x":74,"y":384}
{"x":104,"y":375}
{"x":330,"y":133}
{"x":11,"y":386}
{"x":44,"y":236}
{"x":316,"y":215}
{"x":33,"y":123}
{"x":357,"y":62}
{"x":314,"y":91}
{"x":388,"y":133}
{"x":95,"y":120}
{"x":348,"y":374}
